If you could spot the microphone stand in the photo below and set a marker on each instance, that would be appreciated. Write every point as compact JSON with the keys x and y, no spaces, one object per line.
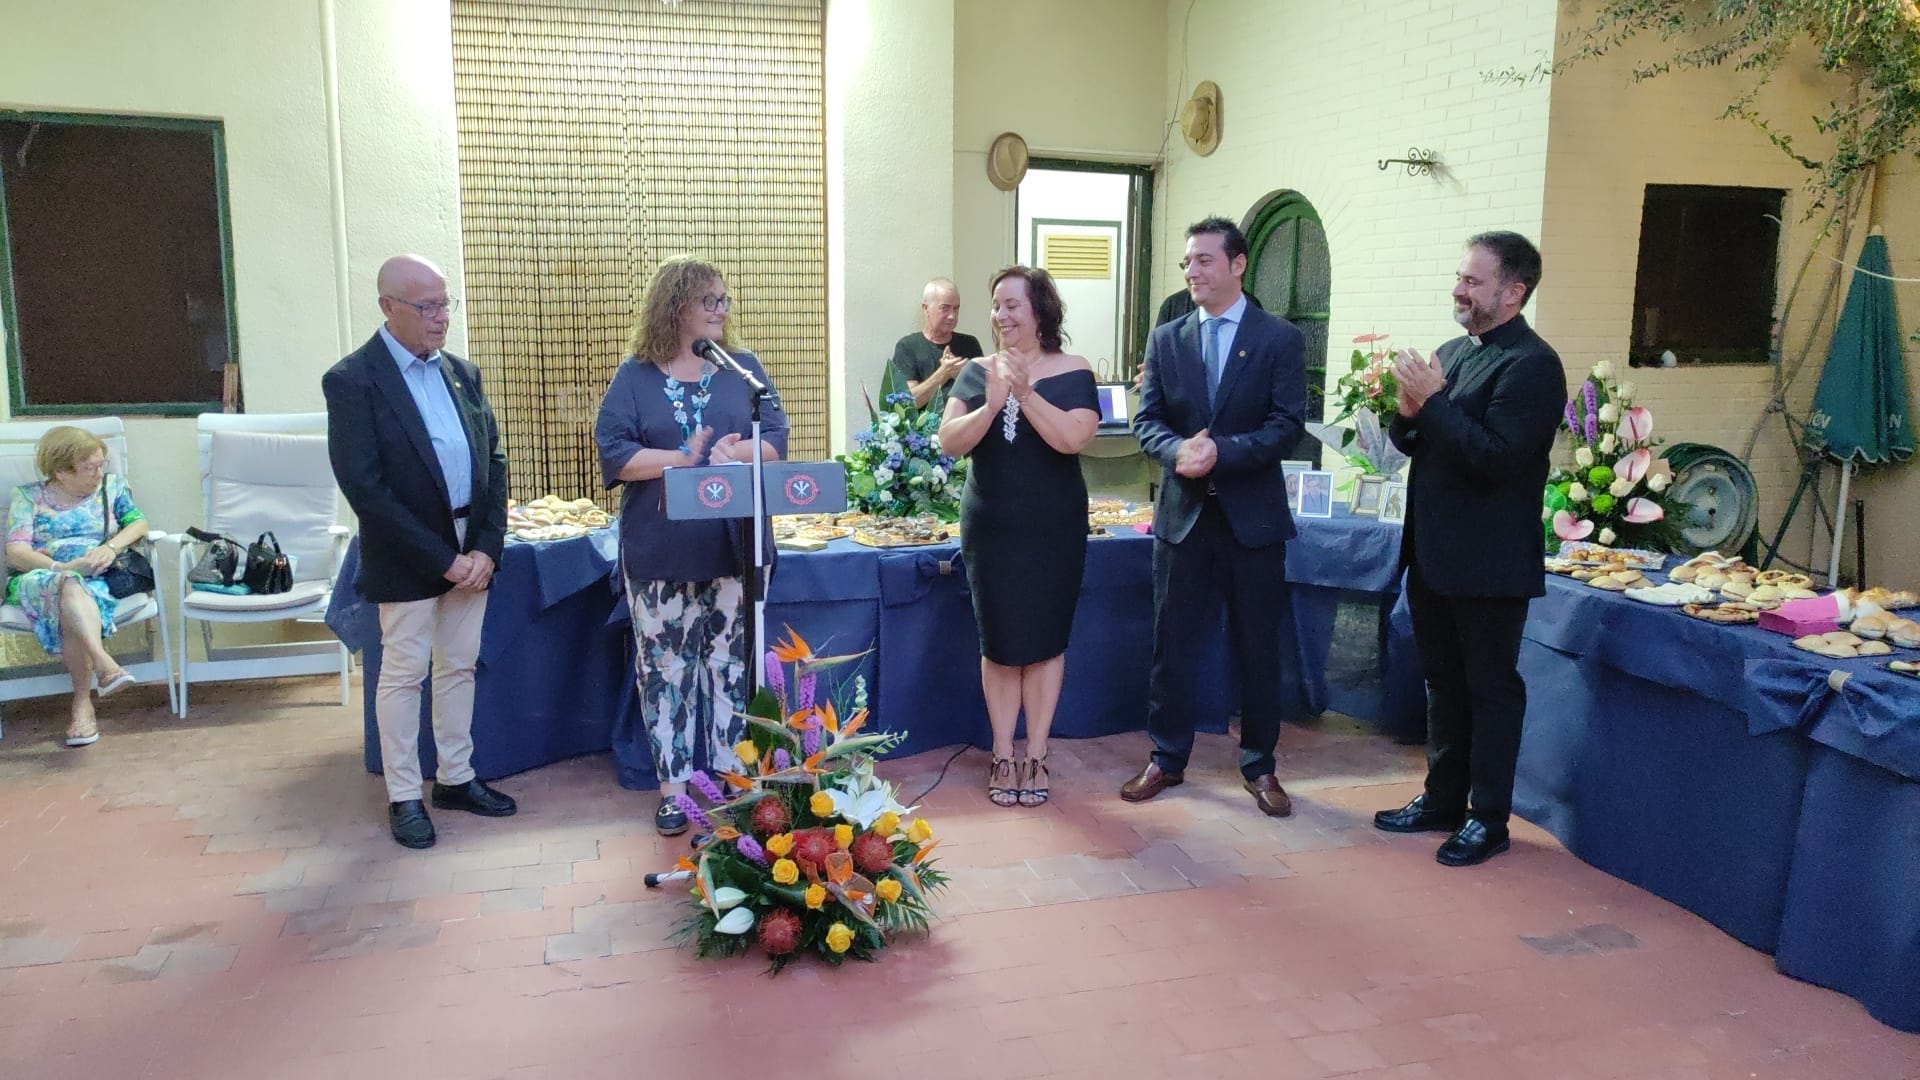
{"x":756,"y":566}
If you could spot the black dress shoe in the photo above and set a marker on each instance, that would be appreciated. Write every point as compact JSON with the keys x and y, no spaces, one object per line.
{"x":1417,"y":816}
{"x":475,"y":797}
{"x":669,"y":819}
{"x":411,"y":826}
{"x":1474,"y":842}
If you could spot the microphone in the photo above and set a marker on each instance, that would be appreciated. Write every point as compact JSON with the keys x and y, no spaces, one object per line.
{"x":719,"y":357}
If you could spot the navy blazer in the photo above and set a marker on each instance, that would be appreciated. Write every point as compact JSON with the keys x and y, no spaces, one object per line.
{"x":384,"y":462}
{"x":1261,"y":407}
{"x":1480,"y":450}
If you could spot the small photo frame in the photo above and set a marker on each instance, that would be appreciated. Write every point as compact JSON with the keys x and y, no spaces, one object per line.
{"x":1393,"y":503}
{"x":1290,"y":471}
{"x":1367,"y":491}
{"x":1316,"y":494}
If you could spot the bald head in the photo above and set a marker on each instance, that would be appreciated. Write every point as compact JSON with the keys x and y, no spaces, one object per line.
{"x":413,"y":297}
{"x":940,"y":306}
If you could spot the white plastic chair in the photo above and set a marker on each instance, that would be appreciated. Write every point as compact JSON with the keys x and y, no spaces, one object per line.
{"x":17,"y":443}
{"x":266,"y":473}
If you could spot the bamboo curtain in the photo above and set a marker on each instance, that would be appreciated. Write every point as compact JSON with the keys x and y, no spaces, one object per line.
{"x":598,"y":137}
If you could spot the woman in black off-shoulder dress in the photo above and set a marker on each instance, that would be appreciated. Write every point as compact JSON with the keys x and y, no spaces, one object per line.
{"x":1023,"y":415}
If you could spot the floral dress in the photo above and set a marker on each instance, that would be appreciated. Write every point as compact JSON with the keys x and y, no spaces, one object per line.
{"x":62,"y":535}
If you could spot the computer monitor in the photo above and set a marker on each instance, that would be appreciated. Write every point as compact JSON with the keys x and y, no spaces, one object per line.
{"x":1116,"y":412}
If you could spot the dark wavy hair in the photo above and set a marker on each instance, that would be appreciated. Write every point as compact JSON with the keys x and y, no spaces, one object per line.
{"x":1049,"y":311}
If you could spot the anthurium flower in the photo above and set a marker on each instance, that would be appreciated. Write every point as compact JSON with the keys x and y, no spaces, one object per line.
{"x":726,"y":897}
{"x":816,"y":896}
{"x":839,"y":938}
{"x":920,"y":832}
{"x":737,"y":921}
{"x":888,"y":889}
{"x":1634,"y":466}
{"x":1643,"y":511}
{"x":1567,"y":527}
{"x":1637,"y":425}
{"x":786,"y":871}
{"x":779,"y":844}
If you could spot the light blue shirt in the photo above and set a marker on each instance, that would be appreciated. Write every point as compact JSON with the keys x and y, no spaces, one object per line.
{"x":1227,"y":333}
{"x":435,"y":402}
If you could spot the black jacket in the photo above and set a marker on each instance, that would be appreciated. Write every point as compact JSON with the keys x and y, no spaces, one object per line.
{"x":383,"y":461}
{"x":1480,"y":450}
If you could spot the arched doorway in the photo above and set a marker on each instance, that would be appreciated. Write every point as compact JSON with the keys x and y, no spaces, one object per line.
{"x":1288,"y":268}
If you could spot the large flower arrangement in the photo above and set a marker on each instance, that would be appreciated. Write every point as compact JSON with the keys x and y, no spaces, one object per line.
{"x":897,"y":469}
{"x":1369,"y":396}
{"x":806,"y":851}
{"x":1613,"y":489}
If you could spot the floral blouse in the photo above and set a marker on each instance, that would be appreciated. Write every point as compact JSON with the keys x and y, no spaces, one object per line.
{"x":69,"y":532}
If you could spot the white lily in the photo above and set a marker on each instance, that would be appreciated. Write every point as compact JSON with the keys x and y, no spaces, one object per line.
{"x":737,"y":921}
{"x":728,"y":897}
{"x":864,"y":799}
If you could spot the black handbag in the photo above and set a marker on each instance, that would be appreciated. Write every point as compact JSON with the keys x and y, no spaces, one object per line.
{"x":219,"y":565}
{"x":268,"y":570}
{"x":131,"y":571}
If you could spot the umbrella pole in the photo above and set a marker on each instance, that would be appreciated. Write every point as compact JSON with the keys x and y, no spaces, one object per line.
{"x":1839,"y":525}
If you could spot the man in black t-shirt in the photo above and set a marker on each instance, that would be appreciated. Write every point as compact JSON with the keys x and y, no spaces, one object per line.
{"x":928,"y":359}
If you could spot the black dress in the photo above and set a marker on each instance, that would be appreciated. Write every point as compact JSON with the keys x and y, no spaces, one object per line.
{"x":1023,"y":526}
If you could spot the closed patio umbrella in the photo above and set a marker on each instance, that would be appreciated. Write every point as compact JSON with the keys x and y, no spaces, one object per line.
{"x":1860,"y":409}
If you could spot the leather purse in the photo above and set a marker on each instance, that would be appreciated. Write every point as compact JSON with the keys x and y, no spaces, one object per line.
{"x":131,"y":571}
{"x":219,"y":565}
{"x":268,"y":570}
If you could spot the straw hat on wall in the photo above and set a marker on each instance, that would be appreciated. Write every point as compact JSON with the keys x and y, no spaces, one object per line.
{"x":1007,"y":161}
{"x":1200,"y":119}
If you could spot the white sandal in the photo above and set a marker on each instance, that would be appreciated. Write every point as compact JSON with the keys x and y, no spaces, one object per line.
{"x":116,"y":684}
{"x":87,"y":736}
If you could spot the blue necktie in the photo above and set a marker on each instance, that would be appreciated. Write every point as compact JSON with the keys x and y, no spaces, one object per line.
{"x":1210,"y":354}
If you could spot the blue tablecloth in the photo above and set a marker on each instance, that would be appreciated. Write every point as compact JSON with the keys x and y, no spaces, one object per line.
{"x":553,"y":676}
{"x":1720,"y":768}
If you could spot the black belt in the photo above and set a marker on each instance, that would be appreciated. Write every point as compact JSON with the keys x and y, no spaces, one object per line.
{"x":461,"y":511}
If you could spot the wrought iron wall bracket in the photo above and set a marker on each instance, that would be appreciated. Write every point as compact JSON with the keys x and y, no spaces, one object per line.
{"x":1418,"y":162}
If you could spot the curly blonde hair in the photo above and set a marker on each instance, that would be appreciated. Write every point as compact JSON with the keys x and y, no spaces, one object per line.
{"x":62,"y":449}
{"x":681,"y":280}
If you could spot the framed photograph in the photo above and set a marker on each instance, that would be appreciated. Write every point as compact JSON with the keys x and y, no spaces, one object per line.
{"x":1291,"y":470}
{"x":1367,"y":491}
{"x":1316,"y":494}
{"x":1393,"y":503}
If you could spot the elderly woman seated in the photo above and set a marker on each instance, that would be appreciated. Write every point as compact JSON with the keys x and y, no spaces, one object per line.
{"x":59,"y":543}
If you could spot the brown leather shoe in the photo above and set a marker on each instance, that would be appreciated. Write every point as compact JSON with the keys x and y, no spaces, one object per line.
{"x":1152,"y":781}
{"x":1269,"y":796}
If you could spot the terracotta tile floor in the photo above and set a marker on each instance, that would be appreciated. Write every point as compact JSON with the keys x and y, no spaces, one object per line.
{"x":218,"y":898}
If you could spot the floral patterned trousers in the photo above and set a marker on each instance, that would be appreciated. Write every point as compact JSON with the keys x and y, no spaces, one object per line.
{"x":690,"y":667}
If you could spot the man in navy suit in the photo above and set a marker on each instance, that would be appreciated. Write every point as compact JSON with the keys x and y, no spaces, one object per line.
{"x":417,"y":453}
{"x":1478,"y":420}
{"x":1225,"y":395}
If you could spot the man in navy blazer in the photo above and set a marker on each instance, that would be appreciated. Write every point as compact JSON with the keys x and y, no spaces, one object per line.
{"x":1478,"y":420}
{"x":1225,"y":395}
{"x":417,"y":452}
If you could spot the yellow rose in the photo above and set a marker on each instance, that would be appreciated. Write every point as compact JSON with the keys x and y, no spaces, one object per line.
{"x":821,"y":804}
{"x":888,"y":890}
{"x":780,"y":844}
{"x":816,"y":897}
{"x":748,"y":753}
{"x":919,"y":832}
{"x":888,"y":824}
{"x":843,"y":836}
{"x":839,"y":938}
{"x":786,"y":871}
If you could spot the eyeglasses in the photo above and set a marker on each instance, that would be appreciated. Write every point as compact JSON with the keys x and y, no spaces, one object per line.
{"x":723,"y":302}
{"x":433,"y":309}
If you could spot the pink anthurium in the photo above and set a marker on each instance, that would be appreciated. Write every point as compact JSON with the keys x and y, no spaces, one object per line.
{"x":1642,"y":511}
{"x":1637,"y":425}
{"x":1566,"y":527}
{"x":1634,"y":465}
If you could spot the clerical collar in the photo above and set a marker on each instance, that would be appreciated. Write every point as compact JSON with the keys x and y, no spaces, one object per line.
{"x":1503,"y":335}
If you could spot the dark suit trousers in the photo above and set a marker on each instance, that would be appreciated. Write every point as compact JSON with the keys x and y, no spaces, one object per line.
{"x":1470,"y":655}
{"x":1191,"y":580}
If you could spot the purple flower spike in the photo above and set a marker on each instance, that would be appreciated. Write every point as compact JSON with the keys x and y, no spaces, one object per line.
{"x":751,"y":850}
{"x":810,"y":742}
{"x":1573,"y":421}
{"x":705,"y":786}
{"x":694,"y":814}
{"x":776,"y":676}
{"x":1591,"y":393}
{"x":780,"y":759}
{"x":1593,"y":429}
{"x":809,"y":685}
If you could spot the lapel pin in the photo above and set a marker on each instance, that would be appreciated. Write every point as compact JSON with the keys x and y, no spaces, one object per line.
{"x":1243,"y":353}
